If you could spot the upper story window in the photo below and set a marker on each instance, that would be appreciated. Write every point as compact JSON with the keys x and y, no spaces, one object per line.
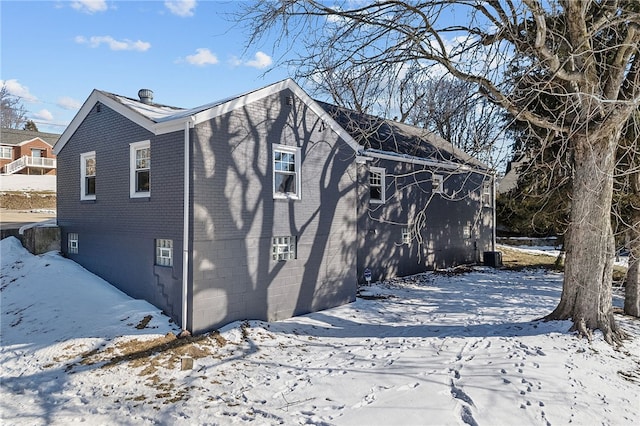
{"x":140,"y":169}
{"x":88,"y":176}
{"x":286,"y":172}
{"x":376,"y":185}
{"x":486,"y":193}
{"x":437,"y":183}
{"x":6,"y":152}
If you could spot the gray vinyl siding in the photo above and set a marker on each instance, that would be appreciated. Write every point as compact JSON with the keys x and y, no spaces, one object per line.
{"x":409,"y":198}
{"x":235,"y":217}
{"x":116,"y":233}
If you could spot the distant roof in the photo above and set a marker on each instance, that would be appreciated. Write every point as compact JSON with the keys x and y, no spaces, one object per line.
{"x":380,"y":134}
{"x":17,"y":136}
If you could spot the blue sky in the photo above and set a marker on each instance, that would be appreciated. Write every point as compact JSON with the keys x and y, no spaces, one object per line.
{"x":54,"y":53}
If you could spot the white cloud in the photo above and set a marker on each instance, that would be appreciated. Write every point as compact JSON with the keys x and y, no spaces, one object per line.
{"x":202,"y":57}
{"x":16,"y":89}
{"x":182,"y":8}
{"x":69,"y":103}
{"x":261,"y":60}
{"x":89,"y":6}
{"x":96,"y":41}
{"x":43,"y":114}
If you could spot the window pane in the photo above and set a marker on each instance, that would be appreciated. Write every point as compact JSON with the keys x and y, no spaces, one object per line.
{"x":90,"y":187}
{"x":142,"y":181}
{"x":285,"y":183}
{"x":375,"y":192}
{"x":90,"y":167}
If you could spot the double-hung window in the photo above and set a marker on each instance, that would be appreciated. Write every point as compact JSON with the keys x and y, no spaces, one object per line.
{"x":486,"y":193}
{"x":376,"y":185}
{"x":286,"y":172}
{"x":88,"y":176}
{"x":140,"y":169}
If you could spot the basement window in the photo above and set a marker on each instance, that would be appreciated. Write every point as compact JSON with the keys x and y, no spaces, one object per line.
{"x":406,"y":236}
{"x":72,"y":243}
{"x":164,"y":252}
{"x":284,"y":248}
{"x":437,"y":183}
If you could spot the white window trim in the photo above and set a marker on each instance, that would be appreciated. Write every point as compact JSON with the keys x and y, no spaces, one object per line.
{"x":437,"y":183}
{"x":383,"y":194}
{"x":83,"y":175}
{"x":132,"y":169}
{"x":486,"y":193}
{"x":298,"y":172}
{"x":8,"y":149}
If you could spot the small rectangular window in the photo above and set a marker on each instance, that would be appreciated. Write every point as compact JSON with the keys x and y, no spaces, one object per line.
{"x":286,"y":172}
{"x":88,"y":176}
{"x":164,"y":252}
{"x":406,"y":236}
{"x":72,"y":243}
{"x":284,"y":248}
{"x":140,"y":173}
{"x":376,"y":185}
{"x":6,"y":152}
{"x":437,"y":183}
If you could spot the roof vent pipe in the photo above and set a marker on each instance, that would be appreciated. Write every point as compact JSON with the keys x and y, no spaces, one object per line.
{"x":146,"y":96}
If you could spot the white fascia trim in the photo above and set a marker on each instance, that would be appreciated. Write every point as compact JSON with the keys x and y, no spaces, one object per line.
{"x":385,"y":155}
{"x":32,"y":140}
{"x":260,"y":94}
{"x":97,"y":96}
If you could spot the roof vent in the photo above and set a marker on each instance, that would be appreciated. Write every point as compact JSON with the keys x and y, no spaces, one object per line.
{"x":146,"y":96}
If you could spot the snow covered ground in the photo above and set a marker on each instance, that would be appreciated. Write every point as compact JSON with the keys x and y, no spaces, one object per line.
{"x":430,"y":349}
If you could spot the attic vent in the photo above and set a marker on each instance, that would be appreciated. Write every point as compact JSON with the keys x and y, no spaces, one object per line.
{"x":146,"y":96}
{"x":288,"y":100}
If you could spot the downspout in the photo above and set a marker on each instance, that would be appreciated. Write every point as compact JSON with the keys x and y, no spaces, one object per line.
{"x":188,"y":125}
{"x":493,"y":204}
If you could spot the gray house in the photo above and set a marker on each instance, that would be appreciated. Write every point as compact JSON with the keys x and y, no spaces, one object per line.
{"x":265,"y":205}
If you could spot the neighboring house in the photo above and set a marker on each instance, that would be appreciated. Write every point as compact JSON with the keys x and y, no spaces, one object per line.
{"x":509,"y":181}
{"x":27,"y":152}
{"x":260,"y":206}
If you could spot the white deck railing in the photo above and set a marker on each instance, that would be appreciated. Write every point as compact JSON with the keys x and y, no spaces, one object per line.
{"x":27,"y":161}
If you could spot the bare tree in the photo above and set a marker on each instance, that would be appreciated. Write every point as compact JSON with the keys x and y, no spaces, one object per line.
{"x":12,"y":112}
{"x":585,"y":52}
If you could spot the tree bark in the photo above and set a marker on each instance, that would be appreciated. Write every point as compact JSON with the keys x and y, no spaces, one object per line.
{"x":632,"y":283}
{"x":587,"y":293}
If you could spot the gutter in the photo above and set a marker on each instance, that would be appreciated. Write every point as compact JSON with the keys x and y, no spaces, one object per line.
{"x":188,"y":125}
{"x":376,"y":153}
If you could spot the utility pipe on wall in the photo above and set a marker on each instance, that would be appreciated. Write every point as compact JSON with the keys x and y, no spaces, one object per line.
{"x":188,"y":125}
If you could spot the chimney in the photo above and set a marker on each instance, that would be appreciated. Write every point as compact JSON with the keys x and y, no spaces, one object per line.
{"x":146,"y":96}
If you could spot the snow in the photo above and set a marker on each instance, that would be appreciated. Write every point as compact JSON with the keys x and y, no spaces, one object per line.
{"x":621,"y":260}
{"x":445,"y":349}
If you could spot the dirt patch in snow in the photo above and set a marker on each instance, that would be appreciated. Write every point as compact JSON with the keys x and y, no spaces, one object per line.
{"x":19,"y":200}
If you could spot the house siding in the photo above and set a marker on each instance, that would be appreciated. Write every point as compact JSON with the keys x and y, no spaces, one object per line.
{"x":409,"y":199}
{"x":117,"y":233}
{"x":235,"y":217}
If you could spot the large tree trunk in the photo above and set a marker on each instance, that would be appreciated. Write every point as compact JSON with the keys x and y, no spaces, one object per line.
{"x":632,"y":284}
{"x":586,"y":293}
